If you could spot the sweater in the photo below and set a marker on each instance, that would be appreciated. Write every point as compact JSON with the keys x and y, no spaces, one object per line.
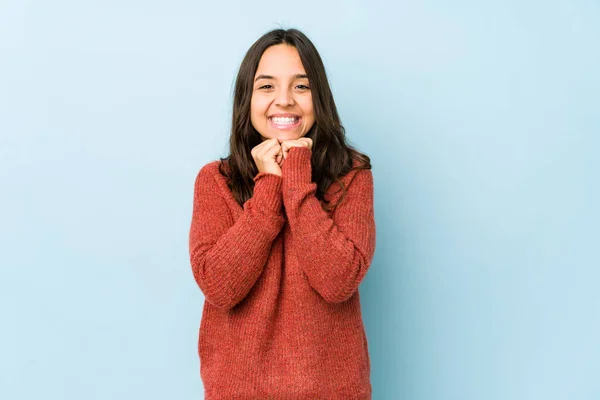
{"x":280,"y":275}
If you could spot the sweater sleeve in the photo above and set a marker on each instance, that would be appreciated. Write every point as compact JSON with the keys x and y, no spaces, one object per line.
{"x":334,"y":252}
{"x":226,"y":257}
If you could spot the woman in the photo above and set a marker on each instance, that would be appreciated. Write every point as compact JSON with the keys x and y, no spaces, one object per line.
{"x":277,"y":252}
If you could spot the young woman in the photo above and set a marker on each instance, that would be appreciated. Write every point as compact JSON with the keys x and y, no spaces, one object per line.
{"x":282,"y":234}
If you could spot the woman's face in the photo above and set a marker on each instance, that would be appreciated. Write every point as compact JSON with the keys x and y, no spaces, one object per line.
{"x":281,"y":105}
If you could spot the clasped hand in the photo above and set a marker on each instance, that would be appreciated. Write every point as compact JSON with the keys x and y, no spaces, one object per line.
{"x":270,"y":154}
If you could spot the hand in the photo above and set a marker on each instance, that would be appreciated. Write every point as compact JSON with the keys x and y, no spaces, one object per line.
{"x":266,"y":156}
{"x":286,"y":145}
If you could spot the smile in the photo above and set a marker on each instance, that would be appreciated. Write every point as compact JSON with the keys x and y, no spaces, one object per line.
{"x":285,"y":123}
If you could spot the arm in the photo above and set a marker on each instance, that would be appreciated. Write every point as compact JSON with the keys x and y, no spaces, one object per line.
{"x":226,"y":257}
{"x":335,"y":253}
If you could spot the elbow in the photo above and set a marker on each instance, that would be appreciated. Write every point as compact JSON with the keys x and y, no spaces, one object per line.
{"x":338,"y":296}
{"x":222,"y":303}
{"x":336,"y":291}
{"x":216,"y":293}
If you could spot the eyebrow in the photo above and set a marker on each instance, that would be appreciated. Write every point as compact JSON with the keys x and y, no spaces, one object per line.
{"x":297,"y":76}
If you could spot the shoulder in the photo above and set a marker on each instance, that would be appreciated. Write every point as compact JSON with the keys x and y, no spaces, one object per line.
{"x":358,"y":175}
{"x":210,"y":167}
{"x":208,"y":173}
{"x":357,"y":180}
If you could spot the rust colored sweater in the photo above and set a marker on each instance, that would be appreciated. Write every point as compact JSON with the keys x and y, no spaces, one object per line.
{"x":280,"y":275}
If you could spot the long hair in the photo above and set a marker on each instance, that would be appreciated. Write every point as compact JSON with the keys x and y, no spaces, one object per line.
{"x":331,"y":157}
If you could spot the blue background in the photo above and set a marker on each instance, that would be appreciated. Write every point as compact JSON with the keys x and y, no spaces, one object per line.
{"x":481,"y":120}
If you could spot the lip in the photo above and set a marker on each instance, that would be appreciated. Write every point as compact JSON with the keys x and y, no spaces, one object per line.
{"x":284,"y":115}
{"x":285,"y":127}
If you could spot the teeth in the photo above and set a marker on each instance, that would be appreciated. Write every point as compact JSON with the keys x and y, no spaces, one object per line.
{"x":284,"y":120}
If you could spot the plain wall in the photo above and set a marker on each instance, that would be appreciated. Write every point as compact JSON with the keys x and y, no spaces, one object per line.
{"x":481,"y":120}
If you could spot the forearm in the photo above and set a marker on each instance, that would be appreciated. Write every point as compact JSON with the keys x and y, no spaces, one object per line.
{"x":335,"y":252}
{"x":333,"y":264}
{"x":227,"y":264}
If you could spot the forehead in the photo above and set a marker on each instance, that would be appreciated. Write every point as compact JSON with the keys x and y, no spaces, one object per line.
{"x":280,"y":59}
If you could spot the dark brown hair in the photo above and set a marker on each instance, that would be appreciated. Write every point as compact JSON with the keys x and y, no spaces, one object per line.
{"x":331,"y":157}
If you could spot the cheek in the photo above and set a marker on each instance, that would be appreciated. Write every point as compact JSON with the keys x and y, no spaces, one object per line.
{"x":254,"y":115}
{"x":258,"y":107}
{"x":258,"y":101}
{"x":311,"y":120}
{"x":309,"y":117}
{"x":307,"y":107}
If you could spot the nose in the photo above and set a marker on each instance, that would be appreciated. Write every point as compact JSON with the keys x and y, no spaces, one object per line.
{"x":284,"y":98}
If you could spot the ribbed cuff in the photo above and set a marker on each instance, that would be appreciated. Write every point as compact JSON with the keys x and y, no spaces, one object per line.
{"x":296,"y":169}
{"x":268,"y":192}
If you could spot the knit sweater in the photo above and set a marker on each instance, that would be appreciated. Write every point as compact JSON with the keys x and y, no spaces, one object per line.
{"x":280,"y":275}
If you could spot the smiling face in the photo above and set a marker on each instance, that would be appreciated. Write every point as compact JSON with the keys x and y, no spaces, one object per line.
{"x":281,"y":105}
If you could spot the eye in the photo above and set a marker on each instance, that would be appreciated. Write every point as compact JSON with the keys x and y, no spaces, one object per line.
{"x":304,"y":87}
{"x":263,"y":86}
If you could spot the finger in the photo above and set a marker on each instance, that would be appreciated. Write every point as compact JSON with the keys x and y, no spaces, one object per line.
{"x":261,"y":148}
{"x":271,"y":148}
{"x":273,"y":152}
{"x":306,"y":142}
{"x":270,"y":144}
